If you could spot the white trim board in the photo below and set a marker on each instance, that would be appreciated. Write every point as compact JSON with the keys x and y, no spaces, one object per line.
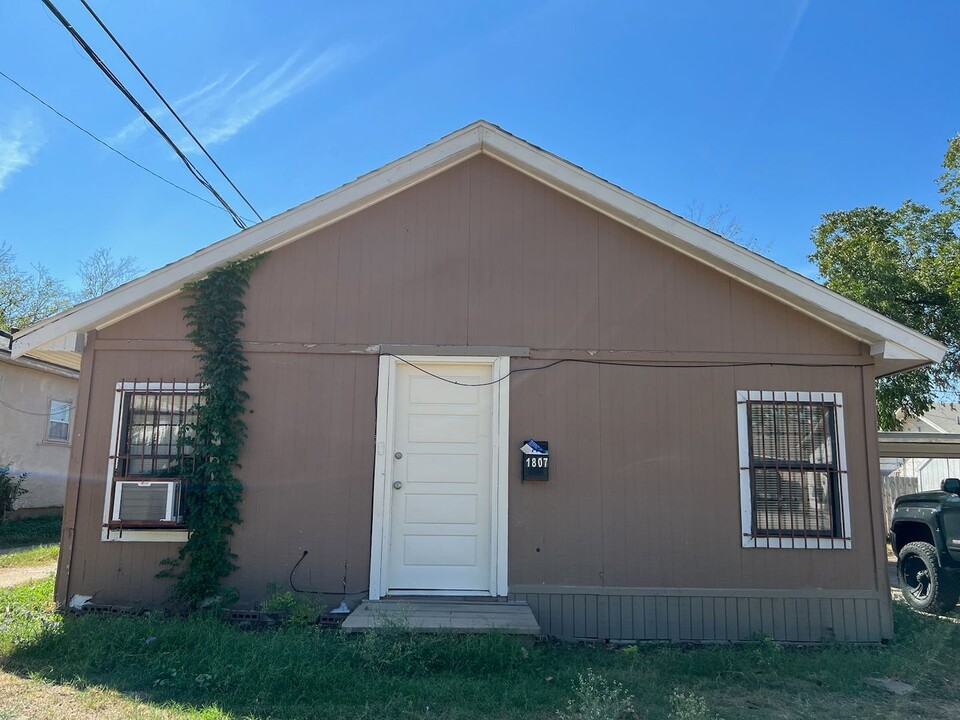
{"x":895,"y":347}
{"x":382,"y":479}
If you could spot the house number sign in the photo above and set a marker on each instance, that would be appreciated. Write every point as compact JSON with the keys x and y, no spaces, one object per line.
{"x":535,"y":460}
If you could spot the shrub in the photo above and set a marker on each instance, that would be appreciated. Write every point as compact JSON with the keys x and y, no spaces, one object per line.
{"x":596,"y":698}
{"x":11,"y":488}
{"x":293,"y":609}
{"x":688,"y":706}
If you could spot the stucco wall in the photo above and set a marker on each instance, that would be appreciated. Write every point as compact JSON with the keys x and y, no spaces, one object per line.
{"x":25,"y":396}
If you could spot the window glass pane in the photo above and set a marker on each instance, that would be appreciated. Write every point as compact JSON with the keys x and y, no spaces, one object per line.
{"x":58,"y":431}
{"x":790,"y":502}
{"x":58,"y":426}
{"x":59,"y":411}
{"x":792,"y":432}
{"x":794,"y":473}
{"x":150,"y":438}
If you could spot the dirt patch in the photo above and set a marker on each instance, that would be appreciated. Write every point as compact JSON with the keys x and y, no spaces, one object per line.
{"x":9,"y":577}
{"x":39,"y":700}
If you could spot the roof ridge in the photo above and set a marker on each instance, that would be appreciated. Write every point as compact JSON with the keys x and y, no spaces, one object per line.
{"x":898,"y":346}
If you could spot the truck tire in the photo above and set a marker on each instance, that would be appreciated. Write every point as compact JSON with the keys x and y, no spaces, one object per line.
{"x":925,"y":585}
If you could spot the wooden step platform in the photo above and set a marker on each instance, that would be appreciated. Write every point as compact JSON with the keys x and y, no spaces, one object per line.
{"x":444,"y":615}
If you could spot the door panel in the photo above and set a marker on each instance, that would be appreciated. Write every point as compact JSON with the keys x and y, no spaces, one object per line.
{"x":440,"y":516}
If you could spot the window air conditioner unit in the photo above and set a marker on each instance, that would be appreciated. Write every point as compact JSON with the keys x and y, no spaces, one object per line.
{"x":145,"y":501}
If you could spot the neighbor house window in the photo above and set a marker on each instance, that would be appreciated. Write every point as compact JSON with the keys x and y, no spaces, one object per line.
{"x":793,"y":480}
{"x":145,"y":484}
{"x":58,"y":423}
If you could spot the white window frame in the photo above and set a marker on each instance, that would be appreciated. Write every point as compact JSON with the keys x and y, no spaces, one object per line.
{"x":69,"y":423}
{"x":746,"y":499}
{"x":107,"y":533}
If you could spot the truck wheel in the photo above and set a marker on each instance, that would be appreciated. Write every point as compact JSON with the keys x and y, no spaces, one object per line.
{"x":924,"y":584}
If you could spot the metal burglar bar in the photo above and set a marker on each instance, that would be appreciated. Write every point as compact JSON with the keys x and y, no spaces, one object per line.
{"x":794,"y":468}
{"x":149,"y":464}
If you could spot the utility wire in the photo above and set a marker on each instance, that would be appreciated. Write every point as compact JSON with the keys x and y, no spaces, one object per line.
{"x":169,"y":107}
{"x":107,"y":145}
{"x":30,"y":412}
{"x":618,"y":363}
{"x":344,"y":592}
{"x":143,"y":111}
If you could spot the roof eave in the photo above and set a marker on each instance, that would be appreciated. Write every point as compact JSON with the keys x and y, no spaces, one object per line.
{"x":270,"y":234}
{"x":895,"y":347}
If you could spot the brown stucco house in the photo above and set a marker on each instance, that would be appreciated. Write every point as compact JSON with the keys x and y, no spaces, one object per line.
{"x":709,"y":415}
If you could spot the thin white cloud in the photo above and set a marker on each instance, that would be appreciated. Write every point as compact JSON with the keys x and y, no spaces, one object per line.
{"x":222,"y":108}
{"x":136,"y":127}
{"x":20,"y":140}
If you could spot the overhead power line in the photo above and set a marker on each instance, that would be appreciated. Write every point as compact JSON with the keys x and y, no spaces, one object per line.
{"x":143,"y":111}
{"x":106,"y":144}
{"x":168,"y":106}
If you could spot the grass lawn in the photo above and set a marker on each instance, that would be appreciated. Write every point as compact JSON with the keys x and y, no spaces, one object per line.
{"x":197,"y":667}
{"x":31,"y":557}
{"x":30,"y":531}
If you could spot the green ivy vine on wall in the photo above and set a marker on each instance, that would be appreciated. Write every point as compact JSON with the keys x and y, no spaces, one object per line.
{"x":211,"y":492}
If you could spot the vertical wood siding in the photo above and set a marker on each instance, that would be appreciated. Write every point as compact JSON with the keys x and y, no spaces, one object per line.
{"x":644,"y":488}
{"x":635,"y":616}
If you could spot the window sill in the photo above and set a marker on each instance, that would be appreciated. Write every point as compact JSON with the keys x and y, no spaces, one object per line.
{"x":777,"y":543}
{"x":55,"y":443}
{"x":143,"y":535}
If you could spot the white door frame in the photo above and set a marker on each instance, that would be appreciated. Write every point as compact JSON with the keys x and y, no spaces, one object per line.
{"x":382,"y":474}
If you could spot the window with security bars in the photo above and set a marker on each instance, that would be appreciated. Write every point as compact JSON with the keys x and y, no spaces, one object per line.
{"x":149,"y":463}
{"x":793,"y":477}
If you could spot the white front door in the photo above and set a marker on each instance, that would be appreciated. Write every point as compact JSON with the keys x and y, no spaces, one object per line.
{"x":440,"y":480}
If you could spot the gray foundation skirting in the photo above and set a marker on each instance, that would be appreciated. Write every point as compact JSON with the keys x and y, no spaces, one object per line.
{"x":660,"y":614}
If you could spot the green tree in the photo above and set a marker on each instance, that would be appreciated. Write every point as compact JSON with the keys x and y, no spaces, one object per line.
{"x":904,"y":263}
{"x":27,"y":297}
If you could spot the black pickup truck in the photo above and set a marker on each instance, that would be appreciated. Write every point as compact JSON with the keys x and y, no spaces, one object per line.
{"x":925,"y":535}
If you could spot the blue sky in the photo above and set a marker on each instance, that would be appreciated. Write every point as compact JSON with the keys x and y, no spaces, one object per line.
{"x":779,"y":109}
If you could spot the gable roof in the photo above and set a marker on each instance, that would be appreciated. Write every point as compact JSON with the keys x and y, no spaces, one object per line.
{"x":894,"y":346}
{"x":941,"y":418}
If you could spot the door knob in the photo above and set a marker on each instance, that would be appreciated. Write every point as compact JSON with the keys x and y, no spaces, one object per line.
{"x":398,"y":454}
{"x":397,"y":484}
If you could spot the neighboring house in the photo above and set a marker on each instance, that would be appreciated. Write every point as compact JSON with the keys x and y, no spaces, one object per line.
{"x":940,"y":427}
{"x":36,"y":423}
{"x":710,"y":415}
{"x":929,"y":472}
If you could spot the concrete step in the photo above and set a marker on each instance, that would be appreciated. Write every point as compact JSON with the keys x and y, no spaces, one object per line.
{"x":434,"y":615}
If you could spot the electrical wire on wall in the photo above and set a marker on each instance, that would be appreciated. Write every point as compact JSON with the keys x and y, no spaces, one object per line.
{"x":616,"y":363}
{"x":343,"y":592}
{"x":30,"y":412}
